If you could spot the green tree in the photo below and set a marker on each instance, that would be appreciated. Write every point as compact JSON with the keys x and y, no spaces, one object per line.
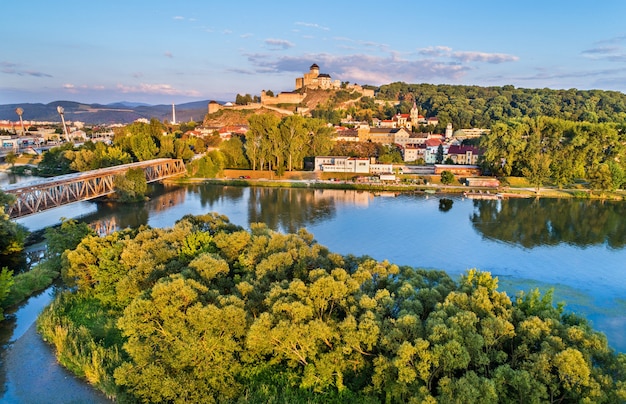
{"x":11,"y":158}
{"x":263,"y":130}
{"x":320,"y":137}
{"x":208,"y":166}
{"x":233,"y":151}
{"x":55,"y":162}
{"x":12,"y":235}
{"x":131,"y":186}
{"x":62,"y":238}
{"x":447,"y":177}
{"x":205,"y":338}
{"x":600,"y":177}
{"x":293,"y":140}
{"x":439,"y":155}
{"x":6,"y":282}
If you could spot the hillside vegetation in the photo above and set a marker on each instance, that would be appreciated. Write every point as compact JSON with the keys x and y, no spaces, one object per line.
{"x":469,"y":106}
{"x":474,"y":106}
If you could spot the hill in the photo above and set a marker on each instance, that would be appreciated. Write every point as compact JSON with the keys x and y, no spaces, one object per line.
{"x":463,"y":106}
{"x":120,"y":112}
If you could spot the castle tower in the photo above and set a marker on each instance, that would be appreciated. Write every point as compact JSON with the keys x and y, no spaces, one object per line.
{"x":314,"y":70}
{"x":214,"y":107}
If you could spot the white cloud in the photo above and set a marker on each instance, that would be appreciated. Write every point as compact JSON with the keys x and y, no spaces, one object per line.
{"x":469,"y":56}
{"x":179,"y":17}
{"x":162,"y":89}
{"x":14,"y":68}
{"x":435,"y":51}
{"x":363,"y":69}
{"x":277,"y":44}
{"x":312,"y":25}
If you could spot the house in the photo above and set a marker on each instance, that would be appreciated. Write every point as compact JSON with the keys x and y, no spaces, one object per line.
{"x":346,"y":135}
{"x":461,"y":154}
{"x":413,"y":152}
{"x":387,"y":135}
{"x":432,"y":147}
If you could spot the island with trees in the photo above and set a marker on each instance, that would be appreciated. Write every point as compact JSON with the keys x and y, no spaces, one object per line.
{"x":206,"y":311}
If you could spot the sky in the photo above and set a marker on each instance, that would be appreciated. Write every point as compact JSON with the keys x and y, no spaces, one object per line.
{"x":163,"y":52}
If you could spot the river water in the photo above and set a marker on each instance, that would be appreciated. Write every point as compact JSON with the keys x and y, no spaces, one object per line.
{"x":575,"y":247}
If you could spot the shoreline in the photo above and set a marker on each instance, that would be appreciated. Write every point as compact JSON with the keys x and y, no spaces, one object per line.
{"x":504,"y":192}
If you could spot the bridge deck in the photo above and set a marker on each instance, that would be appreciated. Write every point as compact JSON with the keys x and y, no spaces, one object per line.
{"x":41,"y":194}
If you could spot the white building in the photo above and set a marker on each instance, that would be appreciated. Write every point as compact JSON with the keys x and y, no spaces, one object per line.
{"x":342,"y":164}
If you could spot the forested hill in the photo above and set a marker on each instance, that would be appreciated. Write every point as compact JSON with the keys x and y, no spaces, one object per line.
{"x":474,"y":106}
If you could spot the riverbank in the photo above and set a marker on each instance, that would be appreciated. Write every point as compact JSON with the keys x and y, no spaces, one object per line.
{"x":32,"y":374}
{"x":433,"y":186}
{"x":29,"y":370}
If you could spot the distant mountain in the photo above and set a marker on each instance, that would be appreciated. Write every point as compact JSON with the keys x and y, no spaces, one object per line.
{"x":127,"y":104}
{"x":119,"y":112}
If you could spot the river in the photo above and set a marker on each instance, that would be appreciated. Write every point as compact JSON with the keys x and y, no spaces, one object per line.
{"x":575,"y":247}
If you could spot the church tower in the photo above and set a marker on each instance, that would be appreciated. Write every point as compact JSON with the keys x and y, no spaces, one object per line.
{"x":414,"y":115}
{"x":448,"y":130}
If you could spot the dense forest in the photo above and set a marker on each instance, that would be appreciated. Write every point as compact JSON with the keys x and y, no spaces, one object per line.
{"x":557,"y":152}
{"x":480,"y":107}
{"x":206,"y":311}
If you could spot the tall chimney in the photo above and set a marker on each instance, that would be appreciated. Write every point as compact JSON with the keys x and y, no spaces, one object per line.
{"x":173,"y":114}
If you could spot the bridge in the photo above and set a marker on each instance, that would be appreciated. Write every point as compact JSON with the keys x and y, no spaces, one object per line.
{"x":39,"y":195}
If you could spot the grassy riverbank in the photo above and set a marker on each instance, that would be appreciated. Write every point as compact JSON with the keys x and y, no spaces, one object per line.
{"x":512,"y":187}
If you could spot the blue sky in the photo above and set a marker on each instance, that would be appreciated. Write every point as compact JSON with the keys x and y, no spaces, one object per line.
{"x":178,"y":51}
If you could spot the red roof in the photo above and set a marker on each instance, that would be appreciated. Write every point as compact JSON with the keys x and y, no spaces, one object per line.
{"x":432,"y":142}
{"x":462,"y":149}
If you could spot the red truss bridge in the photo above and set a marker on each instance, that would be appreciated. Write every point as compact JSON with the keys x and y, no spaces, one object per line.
{"x":39,"y":195}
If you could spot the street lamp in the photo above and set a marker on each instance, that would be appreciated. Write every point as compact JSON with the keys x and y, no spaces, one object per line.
{"x":20,"y":111}
{"x":61,"y":112}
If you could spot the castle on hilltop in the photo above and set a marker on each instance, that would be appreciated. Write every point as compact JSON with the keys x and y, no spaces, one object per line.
{"x":316,"y":80}
{"x":312,"y":80}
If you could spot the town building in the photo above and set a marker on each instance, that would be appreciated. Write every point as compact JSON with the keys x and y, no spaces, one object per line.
{"x":461,"y":154}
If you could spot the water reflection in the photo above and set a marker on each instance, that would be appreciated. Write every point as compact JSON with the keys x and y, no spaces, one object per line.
{"x":445,"y":204}
{"x":289,"y":209}
{"x":538,"y":222}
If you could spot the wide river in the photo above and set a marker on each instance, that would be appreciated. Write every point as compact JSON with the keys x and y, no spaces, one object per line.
{"x":576,"y":247}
